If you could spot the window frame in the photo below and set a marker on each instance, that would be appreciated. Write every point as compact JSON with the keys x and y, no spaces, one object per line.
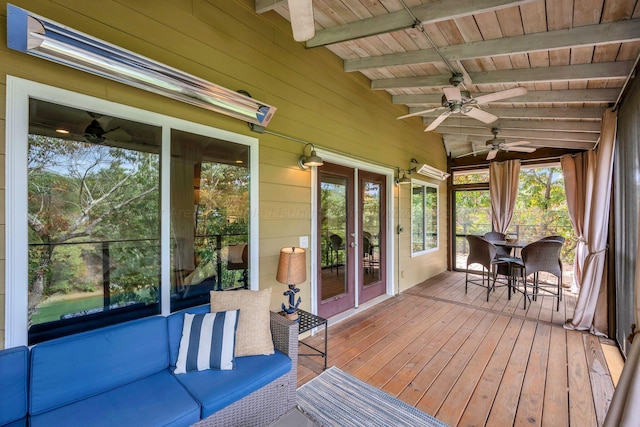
{"x":18,"y":93}
{"x":425,"y":185}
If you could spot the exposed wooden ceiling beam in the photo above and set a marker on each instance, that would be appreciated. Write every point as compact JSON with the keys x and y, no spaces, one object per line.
{"x":603,"y":70}
{"x":538,"y":113}
{"x":531,"y":125}
{"x":521,"y":134}
{"x":263,"y":6}
{"x":437,"y":10}
{"x":589,"y":35}
{"x":566,"y":96}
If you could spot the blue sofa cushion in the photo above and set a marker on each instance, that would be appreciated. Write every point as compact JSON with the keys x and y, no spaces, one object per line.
{"x":218,"y":389}
{"x":13,"y":385}
{"x":75,"y":367}
{"x":158,"y":400}
{"x":208,"y":342}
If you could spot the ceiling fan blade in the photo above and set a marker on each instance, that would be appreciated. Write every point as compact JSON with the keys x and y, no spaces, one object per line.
{"x":118,"y":134}
{"x":434,"y":124}
{"x":520,"y":149}
{"x":302,"y":22}
{"x":492,"y":154}
{"x":481,"y":115}
{"x":473,"y":153}
{"x":511,"y":144}
{"x":419,"y":113}
{"x":503,"y":94}
{"x":452,"y":93}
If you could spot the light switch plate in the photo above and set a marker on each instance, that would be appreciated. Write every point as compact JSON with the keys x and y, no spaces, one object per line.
{"x":304,"y":242}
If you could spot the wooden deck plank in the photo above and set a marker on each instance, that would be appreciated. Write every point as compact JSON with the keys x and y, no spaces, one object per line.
{"x":581,"y":410}
{"x":362,"y":358}
{"x":401,"y":343}
{"x":556,"y":393}
{"x":599,"y":375}
{"x":532,"y":394}
{"x":478,"y":324}
{"x":477,"y":409}
{"x":391,"y":369}
{"x":459,"y":391}
{"x":508,"y":395}
{"x":469,"y":362}
{"x":437,"y":344}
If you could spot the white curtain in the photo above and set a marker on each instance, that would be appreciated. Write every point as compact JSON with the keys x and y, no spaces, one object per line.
{"x":503,"y":189}
{"x":591,"y":310}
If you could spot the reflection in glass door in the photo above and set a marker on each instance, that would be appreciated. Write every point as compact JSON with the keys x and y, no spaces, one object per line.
{"x":336,"y":230}
{"x":372,"y":236}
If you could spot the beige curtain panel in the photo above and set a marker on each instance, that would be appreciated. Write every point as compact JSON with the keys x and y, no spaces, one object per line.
{"x":590,"y":312}
{"x":575,"y":169}
{"x":503,"y":189}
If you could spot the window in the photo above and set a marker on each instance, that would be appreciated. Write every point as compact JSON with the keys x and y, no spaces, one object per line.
{"x":424,"y":218}
{"x":101,"y":230}
{"x":209,"y":217}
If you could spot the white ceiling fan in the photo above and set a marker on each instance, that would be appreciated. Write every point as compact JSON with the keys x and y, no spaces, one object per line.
{"x":496,"y":144}
{"x":302,"y":22}
{"x":455,"y":100}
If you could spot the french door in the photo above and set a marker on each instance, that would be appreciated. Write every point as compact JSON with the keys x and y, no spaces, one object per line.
{"x":352,"y":238}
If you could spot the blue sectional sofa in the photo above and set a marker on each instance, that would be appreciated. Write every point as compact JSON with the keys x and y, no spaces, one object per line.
{"x":123,"y":375}
{"x":13,"y":386}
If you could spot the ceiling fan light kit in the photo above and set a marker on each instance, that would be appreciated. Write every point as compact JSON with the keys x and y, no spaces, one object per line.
{"x":456,"y":101}
{"x":496,"y":144}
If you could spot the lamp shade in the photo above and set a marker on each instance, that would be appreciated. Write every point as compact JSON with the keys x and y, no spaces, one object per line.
{"x":292,"y":268}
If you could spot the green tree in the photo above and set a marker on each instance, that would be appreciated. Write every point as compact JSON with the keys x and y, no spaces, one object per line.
{"x":80,"y":192}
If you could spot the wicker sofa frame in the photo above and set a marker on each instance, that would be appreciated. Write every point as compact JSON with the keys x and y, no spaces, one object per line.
{"x":269,"y":403}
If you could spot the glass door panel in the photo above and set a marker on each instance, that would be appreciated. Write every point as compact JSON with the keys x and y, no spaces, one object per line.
{"x":472,"y":216}
{"x":372,"y":236}
{"x":335,"y":275}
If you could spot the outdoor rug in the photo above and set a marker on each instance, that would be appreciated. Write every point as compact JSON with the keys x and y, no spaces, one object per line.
{"x":335,"y":398}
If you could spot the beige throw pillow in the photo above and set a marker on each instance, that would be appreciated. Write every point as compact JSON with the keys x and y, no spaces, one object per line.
{"x":253,"y":336}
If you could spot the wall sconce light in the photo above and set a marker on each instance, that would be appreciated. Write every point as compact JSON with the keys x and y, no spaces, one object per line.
{"x":402,"y":177}
{"x":313,"y":159}
{"x":430,"y":171}
{"x":41,"y":37}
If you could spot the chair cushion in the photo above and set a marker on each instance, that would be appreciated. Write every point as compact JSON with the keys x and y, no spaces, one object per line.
{"x":254,"y":325}
{"x":218,"y":389}
{"x":208,"y":341}
{"x":158,"y":400}
{"x":78,"y":366}
{"x":13,"y":385}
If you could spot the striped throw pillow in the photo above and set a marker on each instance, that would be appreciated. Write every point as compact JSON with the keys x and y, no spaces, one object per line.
{"x":208,"y":342}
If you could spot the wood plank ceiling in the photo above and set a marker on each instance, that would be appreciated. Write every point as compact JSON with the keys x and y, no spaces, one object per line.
{"x":573,"y":57}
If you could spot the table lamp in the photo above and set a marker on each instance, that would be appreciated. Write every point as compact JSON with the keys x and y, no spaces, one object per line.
{"x":292,"y":270}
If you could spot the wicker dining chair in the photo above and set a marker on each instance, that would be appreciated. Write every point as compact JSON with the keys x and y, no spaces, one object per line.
{"x":537,"y":257}
{"x":494,"y":236}
{"x":481,"y":252}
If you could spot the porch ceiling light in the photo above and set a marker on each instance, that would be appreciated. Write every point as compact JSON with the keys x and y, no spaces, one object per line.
{"x":38,"y":36}
{"x":430,"y":171}
{"x":313,"y":159}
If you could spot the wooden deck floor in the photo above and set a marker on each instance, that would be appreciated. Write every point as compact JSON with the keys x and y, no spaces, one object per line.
{"x":473,"y":363}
